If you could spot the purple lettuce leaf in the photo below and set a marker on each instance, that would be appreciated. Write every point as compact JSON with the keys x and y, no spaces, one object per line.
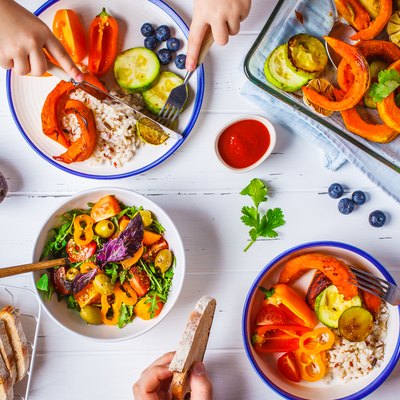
{"x":125,"y":245}
{"x":81,"y":280}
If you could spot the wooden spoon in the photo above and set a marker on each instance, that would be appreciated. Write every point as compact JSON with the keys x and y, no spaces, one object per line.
{"x":21,"y":269}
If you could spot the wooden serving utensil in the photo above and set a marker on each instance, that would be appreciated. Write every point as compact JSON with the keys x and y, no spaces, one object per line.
{"x":21,"y":269}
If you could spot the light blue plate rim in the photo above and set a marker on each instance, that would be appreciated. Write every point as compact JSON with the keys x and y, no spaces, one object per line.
{"x":196,"y":108}
{"x":355,"y":396}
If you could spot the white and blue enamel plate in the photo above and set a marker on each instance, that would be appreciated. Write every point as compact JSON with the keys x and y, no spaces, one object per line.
{"x":26,"y":94}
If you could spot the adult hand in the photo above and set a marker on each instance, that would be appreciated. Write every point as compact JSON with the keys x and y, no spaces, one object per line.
{"x":224,"y":18}
{"x":155,"y":381}
{"x":23,"y":36}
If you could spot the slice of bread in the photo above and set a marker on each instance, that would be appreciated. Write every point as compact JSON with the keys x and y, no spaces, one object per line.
{"x":7,"y":352}
{"x":192,"y":346}
{"x":16,"y":335}
{"x":6,"y":383}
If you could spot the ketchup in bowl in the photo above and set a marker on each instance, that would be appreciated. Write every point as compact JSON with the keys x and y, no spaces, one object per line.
{"x":245,"y":142}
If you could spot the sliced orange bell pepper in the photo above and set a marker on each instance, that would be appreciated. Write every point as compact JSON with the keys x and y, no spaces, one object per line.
{"x":122,"y":297}
{"x":150,"y":238}
{"x":69,"y":30}
{"x":379,"y":133}
{"x":284,"y":294}
{"x":105,"y":307}
{"x":312,"y":366}
{"x":360,"y":70}
{"x":83,"y":229}
{"x":103,"y":35}
{"x":82,"y":148}
{"x":354,"y":13}
{"x":387,"y":108}
{"x":126,"y":264}
{"x":317,"y":340}
{"x":378,"y":24}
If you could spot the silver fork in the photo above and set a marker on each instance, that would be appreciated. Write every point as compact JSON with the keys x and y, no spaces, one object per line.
{"x":179,"y":95}
{"x":376,"y":286}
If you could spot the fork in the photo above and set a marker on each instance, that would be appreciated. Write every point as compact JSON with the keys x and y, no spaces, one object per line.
{"x":179,"y":95}
{"x":376,"y":286}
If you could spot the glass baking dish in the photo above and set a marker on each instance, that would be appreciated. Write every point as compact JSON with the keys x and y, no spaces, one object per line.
{"x":314,"y":17}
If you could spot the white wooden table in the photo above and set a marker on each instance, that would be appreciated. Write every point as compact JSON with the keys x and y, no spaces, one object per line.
{"x":202,"y":197}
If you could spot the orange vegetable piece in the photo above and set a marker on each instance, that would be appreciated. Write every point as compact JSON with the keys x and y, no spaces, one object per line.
{"x":105,"y":306}
{"x":82,"y":148}
{"x":371,"y":302}
{"x":53,"y":107}
{"x":354,"y":13}
{"x":379,"y":133}
{"x":336,"y":270}
{"x":317,"y":340}
{"x":387,"y":108}
{"x":68,"y":29}
{"x":142,"y":309}
{"x":105,"y":208}
{"x":378,"y":24}
{"x":87,"y":295}
{"x":360,"y":70}
{"x":88,"y":266}
{"x":126,"y":264}
{"x":150,"y":238}
{"x":103,"y":36}
{"x":121,"y":296}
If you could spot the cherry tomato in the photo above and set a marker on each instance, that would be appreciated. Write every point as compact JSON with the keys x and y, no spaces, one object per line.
{"x":78,"y":253}
{"x":270,"y":315}
{"x":59,"y":281}
{"x":288,"y":367}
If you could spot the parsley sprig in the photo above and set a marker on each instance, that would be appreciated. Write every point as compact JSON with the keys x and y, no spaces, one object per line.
{"x":388,"y":82}
{"x":261,"y":224}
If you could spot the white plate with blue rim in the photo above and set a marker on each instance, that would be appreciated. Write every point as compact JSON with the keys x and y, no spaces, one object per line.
{"x":26,"y":94}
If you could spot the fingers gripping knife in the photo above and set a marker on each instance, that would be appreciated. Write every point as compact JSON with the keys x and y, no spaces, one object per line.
{"x":192,"y":346}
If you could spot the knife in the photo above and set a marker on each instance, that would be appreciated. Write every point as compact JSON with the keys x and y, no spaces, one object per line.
{"x":101,"y":95}
{"x":192,"y":346}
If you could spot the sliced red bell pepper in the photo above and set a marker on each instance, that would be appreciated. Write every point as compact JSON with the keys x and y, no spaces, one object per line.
{"x":103,"y":35}
{"x":68,"y":29}
{"x":278,"y":338}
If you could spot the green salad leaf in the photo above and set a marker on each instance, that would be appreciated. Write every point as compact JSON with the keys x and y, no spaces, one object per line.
{"x":261,"y":224}
{"x":388,"y":82}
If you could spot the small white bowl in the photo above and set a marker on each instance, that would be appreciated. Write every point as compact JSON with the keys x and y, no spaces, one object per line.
{"x":71,"y":320}
{"x":272,"y":135}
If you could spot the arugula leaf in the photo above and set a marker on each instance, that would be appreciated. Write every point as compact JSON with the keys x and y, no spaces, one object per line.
{"x":112,"y":271}
{"x":261,"y":224}
{"x":72,"y":303}
{"x":43,"y":283}
{"x":125,"y":315}
{"x":388,"y":82}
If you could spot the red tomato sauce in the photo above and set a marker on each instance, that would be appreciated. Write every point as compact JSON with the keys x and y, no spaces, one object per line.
{"x":243,"y":143}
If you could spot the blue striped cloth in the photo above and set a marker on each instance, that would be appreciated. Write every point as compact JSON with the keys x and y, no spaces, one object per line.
{"x":336,"y":150}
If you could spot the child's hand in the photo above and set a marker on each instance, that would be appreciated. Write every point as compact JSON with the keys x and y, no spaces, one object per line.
{"x":22,"y":39}
{"x":224,"y":18}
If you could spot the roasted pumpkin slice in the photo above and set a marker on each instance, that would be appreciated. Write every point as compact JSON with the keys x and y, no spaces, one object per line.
{"x":336,"y":270}
{"x":321,"y":85}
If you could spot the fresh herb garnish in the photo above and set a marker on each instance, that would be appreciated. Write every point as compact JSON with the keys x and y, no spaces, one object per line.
{"x":72,"y":303}
{"x":125,"y":315}
{"x":388,"y":82}
{"x":44,"y":285}
{"x":261,"y":224}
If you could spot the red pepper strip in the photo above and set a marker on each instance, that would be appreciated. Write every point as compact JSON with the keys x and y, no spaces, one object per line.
{"x":378,"y":24}
{"x":284,"y":294}
{"x":277,"y":338}
{"x":69,"y":30}
{"x":316,"y":341}
{"x":83,"y":229}
{"x":103,"y":35}
{"x":81,"y":149}
{"x":52,"y":108}
{"x":312,"y":366}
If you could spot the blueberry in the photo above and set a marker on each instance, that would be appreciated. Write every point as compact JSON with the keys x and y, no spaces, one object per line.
{"x":345,"y":206}
{"x":173,"y":44}
{"x":147,"y":29}
{"x":358,"y":197}
{"x":377,"y":218}
{"x":180,"y":61}
{"x":150,"y":42}
{"x":165,"y":56}
{"x":335,"y":190}
{"x":163,"y":33}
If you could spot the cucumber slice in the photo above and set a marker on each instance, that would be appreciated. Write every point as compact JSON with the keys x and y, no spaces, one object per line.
{"x":330,"y":304}
{"x":355,"y":324}
{"x":279,"y":72}
{"x":137,"y":69}
{"x":307,"y":54}
{"x":155,"y":98}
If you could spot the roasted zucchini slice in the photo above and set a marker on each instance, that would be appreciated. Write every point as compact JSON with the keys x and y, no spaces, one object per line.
{"x":307,"y":54}
{"x":393,"y":28}
{"x":355,"y":324}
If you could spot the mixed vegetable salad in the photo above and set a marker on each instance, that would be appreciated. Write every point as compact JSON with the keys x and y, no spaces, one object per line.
{"x":368,"y":76}
{"x":306,"y":328}
{"x":119,"y":263}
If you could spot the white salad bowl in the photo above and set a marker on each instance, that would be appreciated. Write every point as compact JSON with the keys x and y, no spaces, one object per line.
{"x":70,"y":319}
{"x":265,"y":365}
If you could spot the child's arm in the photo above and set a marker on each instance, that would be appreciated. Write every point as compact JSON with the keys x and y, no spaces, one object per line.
{"x":224,"y":18}
{"x":22,"y":39}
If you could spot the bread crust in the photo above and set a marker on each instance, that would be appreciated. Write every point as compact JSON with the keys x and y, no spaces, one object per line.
{"x":7,"y":352}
